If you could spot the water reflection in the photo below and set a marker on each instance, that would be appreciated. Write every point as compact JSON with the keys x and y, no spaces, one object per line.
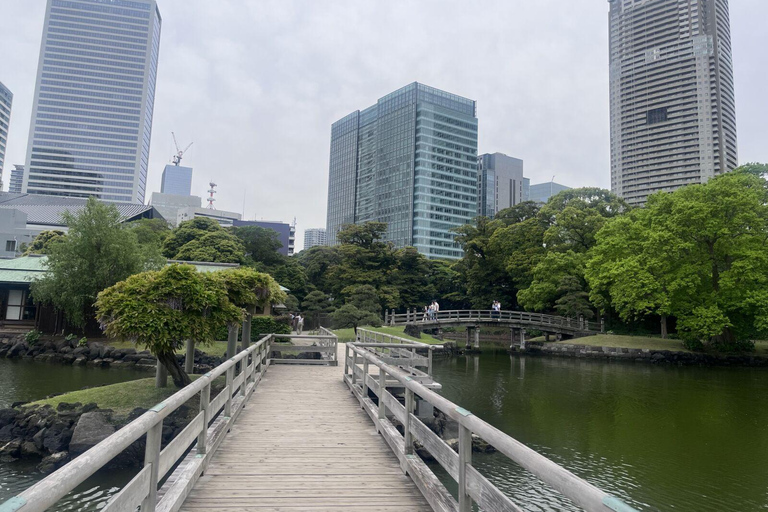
{"x":661,"y":437}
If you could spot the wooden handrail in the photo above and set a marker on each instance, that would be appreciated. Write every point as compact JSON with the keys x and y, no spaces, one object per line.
{"x":472,"y":485}
{"x":142,"y":490}
{"x":470,"y":315}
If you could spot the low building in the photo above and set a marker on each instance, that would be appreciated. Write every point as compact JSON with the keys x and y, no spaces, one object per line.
{"x":17,"y":178}
{"x":177,"y":208}
{"x":314,"y":237}
{"x":17,"y":310}
{"x":541,"y":192}
{"x":286,"y":233}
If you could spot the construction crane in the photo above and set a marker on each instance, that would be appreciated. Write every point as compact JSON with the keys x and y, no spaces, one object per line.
{"x":179,"y":152}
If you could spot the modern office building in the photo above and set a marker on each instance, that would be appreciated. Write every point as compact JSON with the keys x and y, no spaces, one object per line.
{"x":92,"y":111}
{"x":541,"y":192}
{"x":6,"y":101}
{"x":501,"y":183}
{"x":313,"y":237}
{"x":673,"y":113}
{"x":17,"y":179}
{"x":286,"y":233}
{"x":177,"y":180}
{"x":410,"y":160}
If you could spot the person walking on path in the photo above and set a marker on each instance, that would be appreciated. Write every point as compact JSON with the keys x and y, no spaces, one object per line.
{"x":299,"y":324}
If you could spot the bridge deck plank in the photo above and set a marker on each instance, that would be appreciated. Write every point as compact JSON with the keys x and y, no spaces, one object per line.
{"x":303,"y":443}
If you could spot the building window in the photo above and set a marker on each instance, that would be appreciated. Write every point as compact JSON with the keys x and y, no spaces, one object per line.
{"x":657,"y":115}
{"x":10,"y":246}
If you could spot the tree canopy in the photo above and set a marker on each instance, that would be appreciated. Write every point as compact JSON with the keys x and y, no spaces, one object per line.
{"x":97,"y":252}
{"x":203,"y":239}
{"x":44,"y":241}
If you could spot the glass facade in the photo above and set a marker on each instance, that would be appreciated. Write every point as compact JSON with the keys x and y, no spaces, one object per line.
{"x":17,"y":179}
{"x":94,"y":100}
{"x":177,"y":180}
{"x":409,"y":161}
{"x":501,"y":183}
{"x":6,"y":101}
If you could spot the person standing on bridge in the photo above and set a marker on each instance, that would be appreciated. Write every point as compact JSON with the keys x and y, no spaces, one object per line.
{"x":435,"y":309}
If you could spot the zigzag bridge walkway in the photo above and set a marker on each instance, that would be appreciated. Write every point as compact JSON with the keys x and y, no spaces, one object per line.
{"x":290,"y":434}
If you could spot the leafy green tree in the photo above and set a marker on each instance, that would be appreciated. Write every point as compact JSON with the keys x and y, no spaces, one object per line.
{"x":349,"y":315}
{"x":186,"y":232}
{"x":44,"y":241}
{"x":97,"y":252}
{"x":150,"y":232}
{"x":318,"y":262}
{"x":159,"y":310}
{"x":316,"y":303}
{"x":411,"y":278}
{"x":291,"y":303}
{"x":364,"y":297}
{"x":549,"y":275}
{"x":573,"y":301}
{"x":289,"y":273}
{"x":261,"y":244}
{"x":215,"y":246}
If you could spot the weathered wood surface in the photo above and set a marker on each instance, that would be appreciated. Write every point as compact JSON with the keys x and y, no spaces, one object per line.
{"x":303,"y":443}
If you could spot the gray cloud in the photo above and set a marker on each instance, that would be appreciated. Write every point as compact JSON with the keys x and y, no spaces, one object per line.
{"x":257,"y":84}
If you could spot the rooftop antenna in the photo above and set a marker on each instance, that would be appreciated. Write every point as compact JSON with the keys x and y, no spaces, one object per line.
{"x":211,"y":199}
{"x":179,"y":152}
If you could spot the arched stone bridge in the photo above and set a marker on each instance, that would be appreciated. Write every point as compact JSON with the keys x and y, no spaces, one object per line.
{"x":474,"y":319}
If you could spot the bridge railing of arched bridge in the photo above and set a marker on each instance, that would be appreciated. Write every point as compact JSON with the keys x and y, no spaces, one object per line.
{"x":243,"y":372}
{"x":468,"y":316}
{"x":387,"y":410}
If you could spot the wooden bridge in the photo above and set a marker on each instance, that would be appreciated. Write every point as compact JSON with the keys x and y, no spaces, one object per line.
{"x":516,"y":321}
{"x":292,"y":437}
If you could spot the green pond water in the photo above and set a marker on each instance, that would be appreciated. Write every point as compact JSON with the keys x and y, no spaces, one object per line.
{"x":665,"y":438}
{"x":684,"y":439}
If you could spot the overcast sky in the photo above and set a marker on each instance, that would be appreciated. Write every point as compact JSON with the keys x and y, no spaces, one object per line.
{"x":256,"y":85}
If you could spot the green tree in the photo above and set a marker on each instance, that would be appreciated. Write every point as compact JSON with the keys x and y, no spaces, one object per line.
{"x":364,"y":297}
{"x":318,"y":263}
{"x":316,"y":303}
{"x":186,"y":232}
{"x":573,"y":301}
{"x":44,"y":241}
{"x":549,"y":275}
{"x":214,"y":246}
{"x":261,"y":244}
{"x":150,"y":232}
{"x":97,"y":252}
{"x":349,"y":315}
{"x":159,"y":310}
{"x":289,"y":273}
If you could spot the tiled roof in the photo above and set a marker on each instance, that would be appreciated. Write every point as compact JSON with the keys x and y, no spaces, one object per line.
{"x":22,"y":270}
{"x":47,"y":210}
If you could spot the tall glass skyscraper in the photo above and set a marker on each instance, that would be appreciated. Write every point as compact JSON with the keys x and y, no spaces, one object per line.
{"x":501,"y":183}
{"x":92,"y":113}
{"x":6,"y":101}
{"x":410,"y":160}
{"x":673,"y":110}
{"x":176,"y":180}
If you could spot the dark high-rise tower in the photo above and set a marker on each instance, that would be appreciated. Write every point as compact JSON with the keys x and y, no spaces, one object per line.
{"x":673,"y":114}
{"x":92,"y":113}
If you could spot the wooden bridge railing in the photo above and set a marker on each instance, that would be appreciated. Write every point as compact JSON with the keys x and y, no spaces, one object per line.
{"x":473,"y":487}
{"x":189,"y":452}
{"x":324,"y":343}
{"x":539,"y":320}
{"x":398,"y":351}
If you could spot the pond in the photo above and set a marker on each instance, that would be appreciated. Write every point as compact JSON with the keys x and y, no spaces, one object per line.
{"x":690,"y":439}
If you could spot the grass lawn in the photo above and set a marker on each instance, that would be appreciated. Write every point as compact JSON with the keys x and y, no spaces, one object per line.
{"x":648,"y":342}
{"x":217,"y":348}
{"x":349,"y":334}
{"x":123,"y":397}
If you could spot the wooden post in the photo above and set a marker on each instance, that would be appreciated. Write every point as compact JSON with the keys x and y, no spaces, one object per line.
{"x":602,"y":325}
{"x":386,"y":316}
{"x":244,"y":372}
{"x":465,"y":459}
{"x":477,"y":338}
{"x":161,"y":375}
{"x":429,"y":362}
{"x":205,"y":406}
{"x":354,"y":367}
{"x":364,"y":383}
{"x":522,"y":339}
{"x":229,"y":390}
{"x":407,"y":426}
{"x":152,"y":458}
{"x":247,"y":329}
{"x":346,"y":359}
{"x":232,"y":340}
{"x":382,"y":389}
{"x":469,"y":336}
{"x":189,"y":361}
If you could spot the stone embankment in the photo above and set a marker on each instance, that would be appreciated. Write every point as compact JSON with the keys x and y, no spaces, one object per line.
{"x":55,"y":436}
{"x":640,"y":355}
{"x":91,"y":354}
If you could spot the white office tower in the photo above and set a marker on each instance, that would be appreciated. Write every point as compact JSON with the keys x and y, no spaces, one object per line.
{"x":673,"y":113}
